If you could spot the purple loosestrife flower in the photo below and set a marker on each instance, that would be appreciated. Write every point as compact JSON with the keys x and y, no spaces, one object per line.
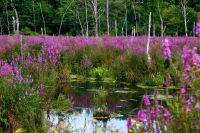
{"x":183,"y":90}
{"x":198,"y":29}
{"x":187,"y":55}
{"x":166,"y":114}
{"x":142,"y":115}
{"x":166,"y":49}
{"x":129,"y":123}
{"x":6,"y":69}
{"x":196,"y":60}
{"x":146,"y":100}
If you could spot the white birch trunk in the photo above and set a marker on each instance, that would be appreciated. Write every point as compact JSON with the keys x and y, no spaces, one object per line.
{"x":44,"y":25}
{"x":17,"y":18}
{"x":184,"y":7}
{"x":148,"y":41}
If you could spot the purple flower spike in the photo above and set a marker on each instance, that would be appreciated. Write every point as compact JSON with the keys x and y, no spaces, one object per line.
{"x":129,"y":123}
{"x":142,"y":115}
{"x":146,"y":100}
{"x":198,"y":29}
{"x":166,"y":49}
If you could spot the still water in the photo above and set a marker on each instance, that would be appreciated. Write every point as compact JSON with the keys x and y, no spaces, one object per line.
{"x":120,"y":101}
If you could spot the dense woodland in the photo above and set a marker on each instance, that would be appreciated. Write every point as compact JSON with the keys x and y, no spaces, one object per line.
{"x":98,"y":17}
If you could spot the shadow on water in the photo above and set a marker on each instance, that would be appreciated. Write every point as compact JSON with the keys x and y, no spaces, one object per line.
{"x":90,"y":99}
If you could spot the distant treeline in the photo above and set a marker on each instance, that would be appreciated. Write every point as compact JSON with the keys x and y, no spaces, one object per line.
{"x":98,"y":17}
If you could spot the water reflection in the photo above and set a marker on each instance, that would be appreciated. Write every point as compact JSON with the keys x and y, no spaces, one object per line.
{"x":88,"y":99}
{"x":82,"y":121}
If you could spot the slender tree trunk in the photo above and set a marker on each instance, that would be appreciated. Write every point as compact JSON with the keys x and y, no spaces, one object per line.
{"x":194,"y":26}
{"x":107,"y":16}
{"x":80,"y":23}
{"x":44,"y":25}
{"x":184,"y":4}
{"x":14,"y":25}
{"x":86,"y":18}
{"x":95,"y":12}
{"x":148,"y":41}
{"x":63,"y":16}
{"x":33,"y":2}
{"x":185,"y":21}
{"x":154,"y":30}
{"x":116,"y":29}
{"x":17,"y":18}
{"x":135,"y":17}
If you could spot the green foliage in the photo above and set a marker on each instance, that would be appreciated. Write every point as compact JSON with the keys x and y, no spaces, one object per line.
{"x":99,"y":73}
{"x":61,"y":105}
{"x":68,"y":11}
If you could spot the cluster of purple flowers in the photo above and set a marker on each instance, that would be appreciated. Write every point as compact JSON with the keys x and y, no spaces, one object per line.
{"x":7,"y":69}
{"x":152,"y":113}
{"x":190,"y":58}
{"x":166,"y":49}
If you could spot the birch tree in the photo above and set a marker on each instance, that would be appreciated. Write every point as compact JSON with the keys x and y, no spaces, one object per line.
{"x":148,"y":41}
{"x":184,"y":8}
{"x":16,"y":19}
{"x":95,"y":14}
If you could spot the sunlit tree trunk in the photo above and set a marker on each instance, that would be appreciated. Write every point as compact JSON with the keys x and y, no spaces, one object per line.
{"x":44,"y":24}
{"x":95,"y":14}
{"x":17,"y":18}
{"x":135,"y":18}
{"x":148,"y":41}
{"x":184,"y":8}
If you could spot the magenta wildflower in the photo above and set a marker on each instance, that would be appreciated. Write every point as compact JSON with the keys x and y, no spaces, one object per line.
{"x":146,"y":100}
{"x":129,"y":123}
{"x":166,"y":49}
{"x":196,"y":60}
{"x":198,"y":29}
{"x":183,"y":90}
{"x":142,"y":115}
{"x":166,"y":116}
{"x":6,"y":69}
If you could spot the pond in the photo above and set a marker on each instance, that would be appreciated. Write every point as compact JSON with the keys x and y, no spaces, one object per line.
{"x":118,"y":100}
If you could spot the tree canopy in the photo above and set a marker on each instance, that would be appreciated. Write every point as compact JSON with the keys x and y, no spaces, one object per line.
{"x":68,"y":17}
